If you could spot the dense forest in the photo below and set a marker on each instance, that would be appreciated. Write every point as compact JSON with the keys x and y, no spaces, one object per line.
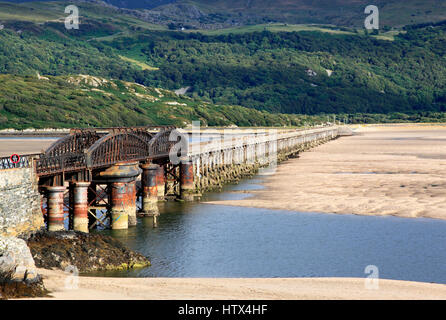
{"x":299,"y":72}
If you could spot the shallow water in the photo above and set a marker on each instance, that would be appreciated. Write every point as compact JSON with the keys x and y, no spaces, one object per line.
{"x":203,"y":240}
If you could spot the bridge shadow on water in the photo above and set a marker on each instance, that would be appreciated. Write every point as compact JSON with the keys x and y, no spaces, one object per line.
{"x":202,"y":240}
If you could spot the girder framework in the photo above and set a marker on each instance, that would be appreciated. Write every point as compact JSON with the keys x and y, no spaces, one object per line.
{"x":85,"y":150}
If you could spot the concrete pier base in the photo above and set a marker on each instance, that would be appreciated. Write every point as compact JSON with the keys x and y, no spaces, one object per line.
{"x":131,"y":203}
{"x":122,"y":193}
{"x":119,"y":218}
{"x":55,"y":208}
{"x":187,"y":190}
{"x":79,"y":206}
{"x":149,"y":183}
{"x":161,"y":183}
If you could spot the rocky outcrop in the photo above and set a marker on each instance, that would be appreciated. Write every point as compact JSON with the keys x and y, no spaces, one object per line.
{"x":86,"y":252}
{"x":20,"y":216}
{"x":16,"y":261}
{"x":18,"y":273}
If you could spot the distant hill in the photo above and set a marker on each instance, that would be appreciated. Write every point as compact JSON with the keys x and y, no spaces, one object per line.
{"x":393,"y":13}
{"x":338,"y":12}
{"x":274,"y":68}
{"x":130,"y":4}
{"x":139,"y":4}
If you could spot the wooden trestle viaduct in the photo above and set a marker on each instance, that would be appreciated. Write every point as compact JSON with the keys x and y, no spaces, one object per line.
{"x":96,"y":176}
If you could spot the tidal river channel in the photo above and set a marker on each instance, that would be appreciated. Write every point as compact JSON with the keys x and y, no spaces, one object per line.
{"x":203,"y":240}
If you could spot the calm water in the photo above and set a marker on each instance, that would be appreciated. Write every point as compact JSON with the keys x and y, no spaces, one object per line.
{"x":200,"y":240}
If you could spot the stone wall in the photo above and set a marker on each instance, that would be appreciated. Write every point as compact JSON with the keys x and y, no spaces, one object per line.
{"x":20,"y":212}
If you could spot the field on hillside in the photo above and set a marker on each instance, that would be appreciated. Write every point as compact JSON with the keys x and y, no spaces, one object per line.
{"x":285,"y":27}
{"x":275,"y":27}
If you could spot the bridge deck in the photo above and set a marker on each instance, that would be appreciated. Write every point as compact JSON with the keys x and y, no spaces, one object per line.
{"x":91,"y":149}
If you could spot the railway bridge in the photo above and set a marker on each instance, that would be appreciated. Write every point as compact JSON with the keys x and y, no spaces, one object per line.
{"x":96,"y":176}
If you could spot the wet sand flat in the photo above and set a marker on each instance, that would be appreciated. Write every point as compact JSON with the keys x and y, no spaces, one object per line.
{"x":383,"y":170}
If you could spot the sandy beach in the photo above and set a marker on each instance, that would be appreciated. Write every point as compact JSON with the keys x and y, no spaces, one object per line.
{"x":95,"y":288}
{"x":382,"y":170}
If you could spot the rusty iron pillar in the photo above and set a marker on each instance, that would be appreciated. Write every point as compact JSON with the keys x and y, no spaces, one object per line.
{"x":161,"y":183}
{"x":79,"y":206}
{"x":55,"y":196}
{"x":149,"y":184}
{"x":119,"y":218}
{"x":131,"y":203}
{"x":187,"y":179}
{"x":122,"y":193}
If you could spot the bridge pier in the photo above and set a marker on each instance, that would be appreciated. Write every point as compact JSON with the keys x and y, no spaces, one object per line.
{"x":122,"y":193}
{"x":149,"y":183}
{"x":131,"y":203}
{"x":161,"y":183}
{"x":187,"y":190}
{"x":79,"y":206}
{"x":55,"y":198}
{"x":119,"y":218}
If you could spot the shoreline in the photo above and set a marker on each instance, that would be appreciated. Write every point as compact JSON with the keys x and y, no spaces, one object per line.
{"x":97,"y":288}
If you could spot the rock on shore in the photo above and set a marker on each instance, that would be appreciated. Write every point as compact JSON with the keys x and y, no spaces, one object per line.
{"x":87,"y":252}
{"x":18,"y":273}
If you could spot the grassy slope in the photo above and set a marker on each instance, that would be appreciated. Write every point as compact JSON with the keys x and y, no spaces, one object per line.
{"x":139,"y":64}
{"x":274,"y":27}
{"x":41,"y":12}
{"x":28,"y":12}
{"x":82,"y":101}
{"x":284,"y":27}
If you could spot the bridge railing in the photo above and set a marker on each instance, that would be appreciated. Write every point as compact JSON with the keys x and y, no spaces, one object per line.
{"x":216,"y":145}
{"x":24,"y":162}
{"x":49,"y":165}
